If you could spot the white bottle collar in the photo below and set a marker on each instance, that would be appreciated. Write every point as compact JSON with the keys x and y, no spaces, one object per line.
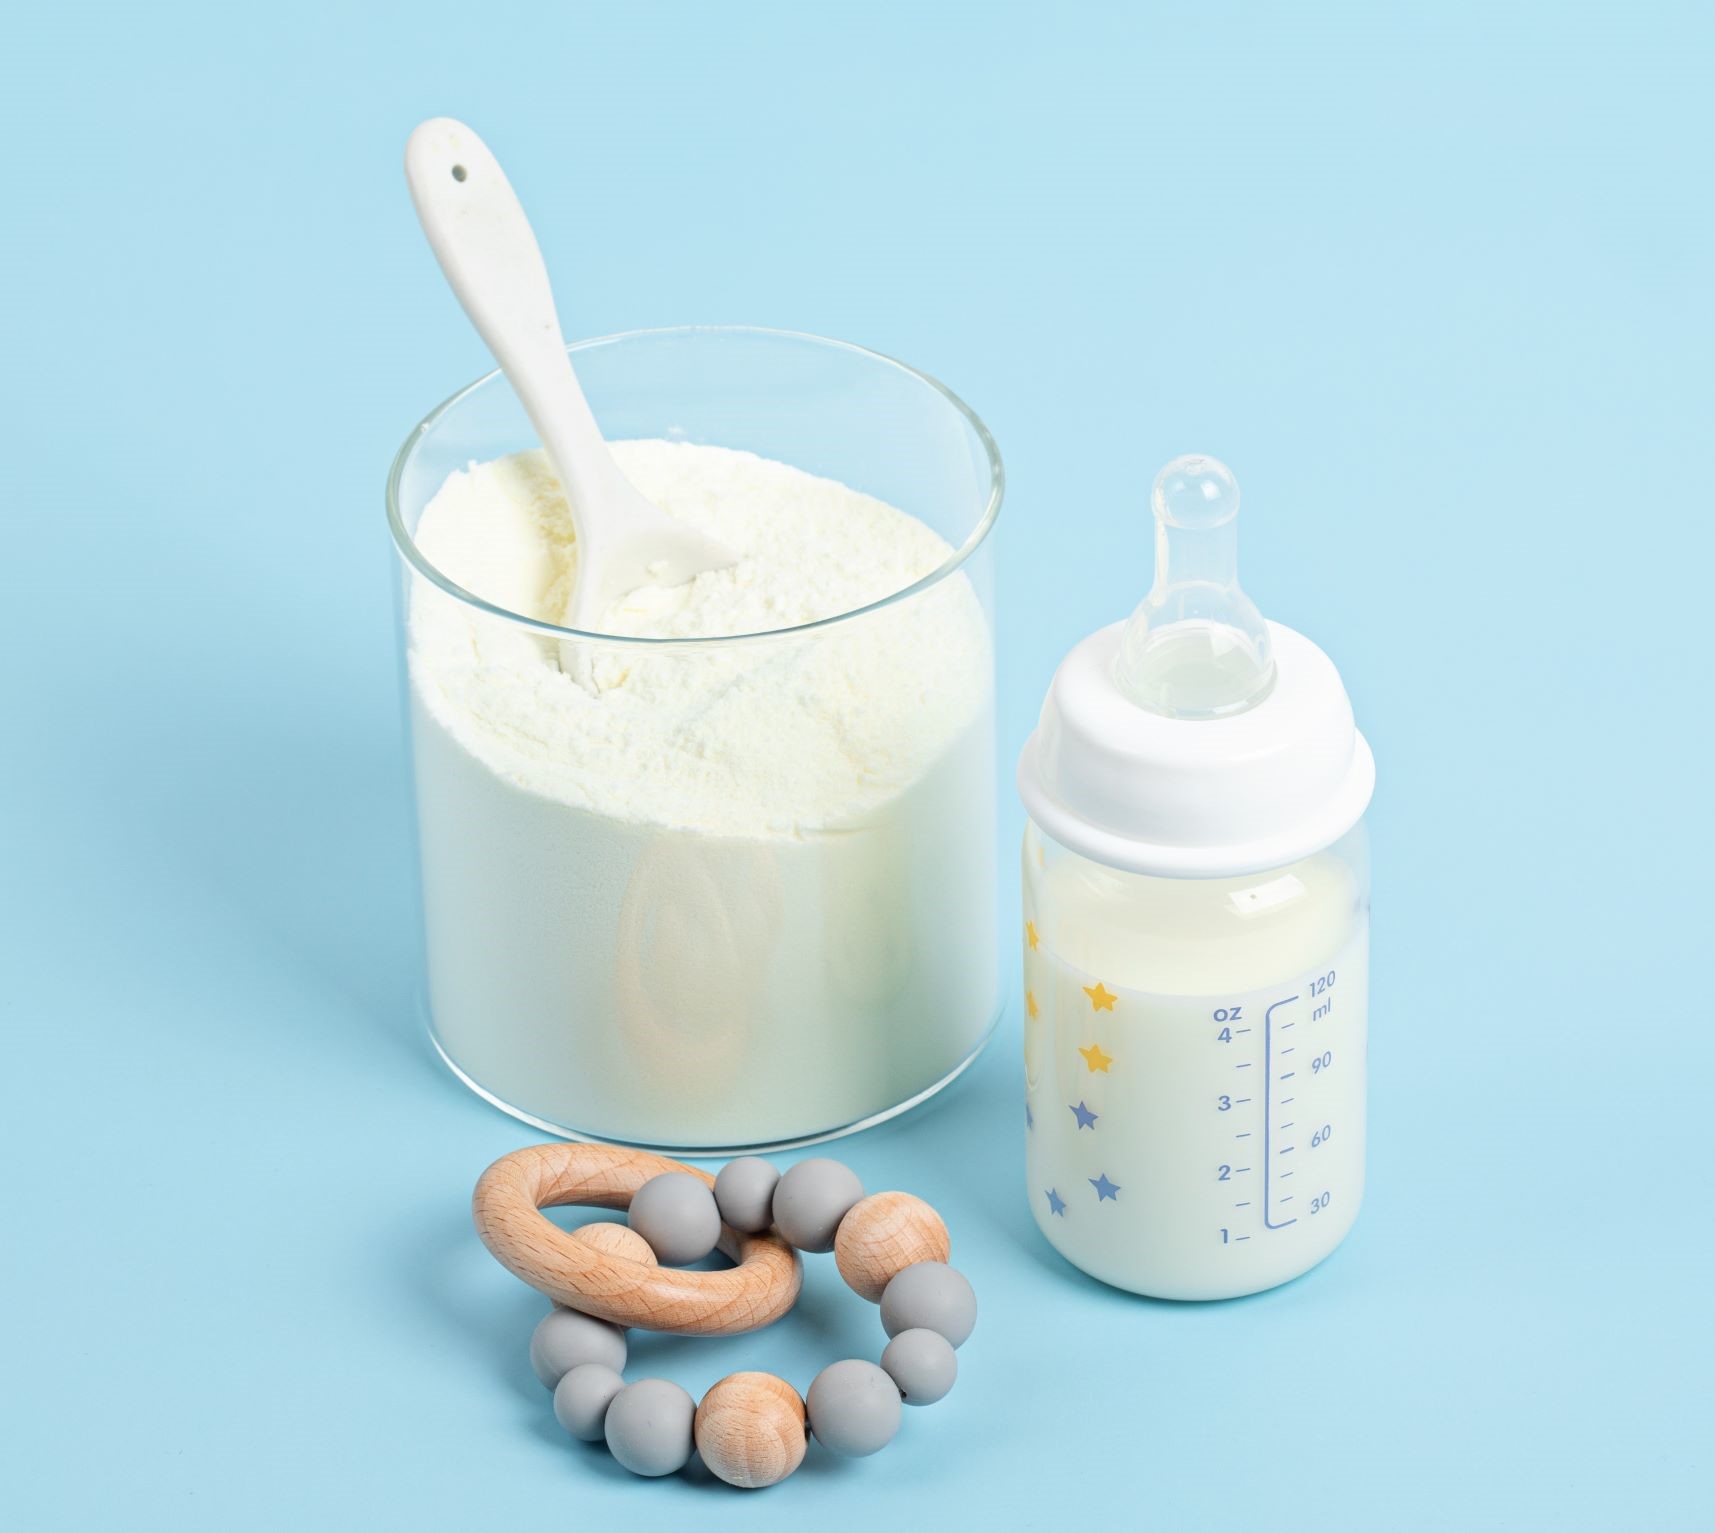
{"x":1196,"y":798}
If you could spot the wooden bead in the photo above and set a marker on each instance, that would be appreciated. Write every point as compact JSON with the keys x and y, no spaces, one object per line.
{"x":884,"y":1234}
{"x":750,"y":1429}
{"x":617,"y":1240}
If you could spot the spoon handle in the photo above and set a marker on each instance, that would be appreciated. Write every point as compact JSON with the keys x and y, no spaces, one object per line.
{"x":478,"y":231}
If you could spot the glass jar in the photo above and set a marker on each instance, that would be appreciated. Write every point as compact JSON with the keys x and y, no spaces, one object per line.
{"x":751,"y":968}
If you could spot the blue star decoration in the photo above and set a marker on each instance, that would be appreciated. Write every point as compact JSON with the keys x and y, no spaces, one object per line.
{"x":1086,"y":1118}
{"x":1056,"y":1203}
{"x":1104,"y":1188}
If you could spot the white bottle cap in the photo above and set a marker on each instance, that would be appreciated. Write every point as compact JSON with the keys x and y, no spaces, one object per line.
{"x":1196,"y":740}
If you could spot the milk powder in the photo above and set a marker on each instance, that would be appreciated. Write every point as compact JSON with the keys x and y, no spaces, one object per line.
{"x":703,"y":894}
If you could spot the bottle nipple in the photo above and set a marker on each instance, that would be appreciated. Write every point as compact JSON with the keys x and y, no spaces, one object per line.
{"x":1197,"y":648}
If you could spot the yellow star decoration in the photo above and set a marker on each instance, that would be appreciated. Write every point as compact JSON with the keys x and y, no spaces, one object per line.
{"x":1096,"y":1059}
{"x":1030,"y":935}
{"x":1031,"y":1006}
{"x":1101,"y":998}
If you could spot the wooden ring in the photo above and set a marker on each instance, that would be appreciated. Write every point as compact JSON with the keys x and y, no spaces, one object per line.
{"x":506,"y":1204}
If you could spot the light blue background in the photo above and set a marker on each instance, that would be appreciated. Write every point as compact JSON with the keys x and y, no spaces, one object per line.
{"x":1436,"y":283}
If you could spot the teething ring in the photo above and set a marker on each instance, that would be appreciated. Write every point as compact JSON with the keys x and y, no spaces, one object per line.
{"x":506,"y":1207}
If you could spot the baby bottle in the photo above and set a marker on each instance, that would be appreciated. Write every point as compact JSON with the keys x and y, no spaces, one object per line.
{"x":1196,"y":932}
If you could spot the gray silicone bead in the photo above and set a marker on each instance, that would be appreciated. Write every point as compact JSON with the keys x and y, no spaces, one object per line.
{"x":931,"y":1296}
{"x":853,"y":1408}
{"x":922,"y":1363}
{"x":812,"y":1198}
{"x":675,"y":1212}
{"x":565,"y":1338}
{"x":582,"y":1397}
{"x":648,"y":1427}
{"x":744,"y":1191}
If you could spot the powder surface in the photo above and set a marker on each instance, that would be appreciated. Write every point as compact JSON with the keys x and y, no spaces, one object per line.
{"x":766,"y":737}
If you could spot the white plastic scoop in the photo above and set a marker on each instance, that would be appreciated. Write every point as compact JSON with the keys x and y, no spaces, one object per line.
{"x":486,"y":248}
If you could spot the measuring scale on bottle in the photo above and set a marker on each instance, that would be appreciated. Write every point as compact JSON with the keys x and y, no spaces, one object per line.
{"x":1196,"y":934}
{"x":1302,"y":1110}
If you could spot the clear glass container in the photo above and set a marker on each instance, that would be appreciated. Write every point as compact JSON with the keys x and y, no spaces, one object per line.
{"x":712,"y":978}
{"x":1194,"y":1066}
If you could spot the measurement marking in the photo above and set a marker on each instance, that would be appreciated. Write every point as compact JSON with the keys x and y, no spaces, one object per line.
{"x":1267,"y":1110}
{"x":1240,"y":1101}
{"x":1241,"y":1237}
{"x":1238,"y":1030}
{"x":1285,"y":1052}
{"x":1285,"y":1149}
{"x":1289,"y":1074}
{"x":1287,"y":1198}
{"x":1245,"y":1204}
{"x":1245,"y":1066}
{"x":1240,"y":1170}
{"x":1285,"y":1174}
{"x":1245,"y":1135}
{"x":1286,"y":1101}
{"x":1285,"y":1126}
